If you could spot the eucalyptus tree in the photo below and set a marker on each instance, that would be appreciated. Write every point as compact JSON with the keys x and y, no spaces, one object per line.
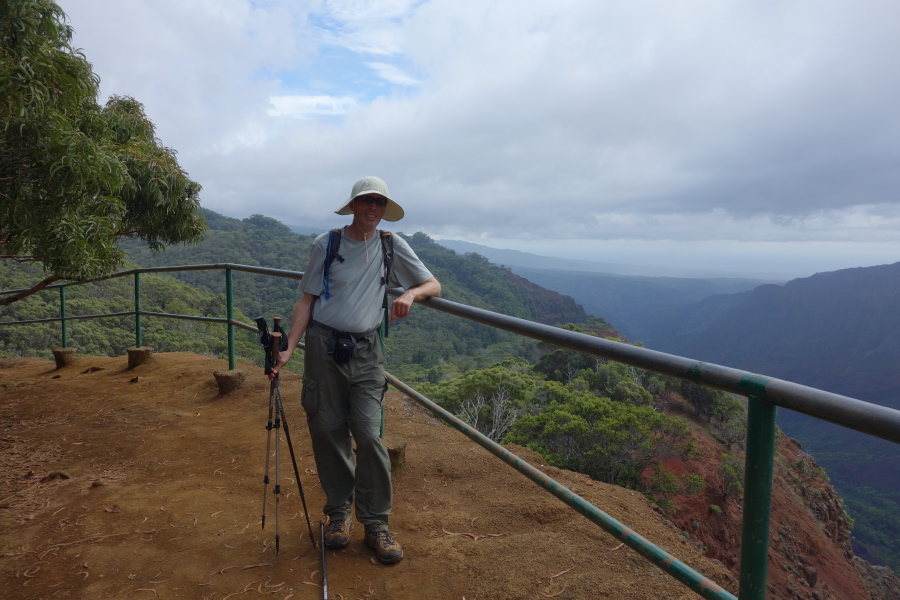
{"x":75,"y":176}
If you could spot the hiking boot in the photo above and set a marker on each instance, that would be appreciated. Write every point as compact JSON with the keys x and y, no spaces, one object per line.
{"x":386,"y":548}
{"x":337,"y":533}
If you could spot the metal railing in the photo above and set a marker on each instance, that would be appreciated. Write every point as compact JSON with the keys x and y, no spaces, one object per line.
{"x":764,"y":395}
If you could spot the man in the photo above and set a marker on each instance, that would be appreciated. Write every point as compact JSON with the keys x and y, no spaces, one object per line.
{"x":345,"y":399}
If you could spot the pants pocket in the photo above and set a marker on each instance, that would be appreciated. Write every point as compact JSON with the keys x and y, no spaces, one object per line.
{"x":309,"y":396}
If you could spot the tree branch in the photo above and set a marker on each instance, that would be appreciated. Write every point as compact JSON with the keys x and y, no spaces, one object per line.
{"x":9,"y":299}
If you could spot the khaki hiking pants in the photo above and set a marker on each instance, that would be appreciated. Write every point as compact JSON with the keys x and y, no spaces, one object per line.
{"x":343,"y":404}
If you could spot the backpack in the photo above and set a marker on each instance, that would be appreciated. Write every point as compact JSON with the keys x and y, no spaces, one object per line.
{"x":387,"y":251}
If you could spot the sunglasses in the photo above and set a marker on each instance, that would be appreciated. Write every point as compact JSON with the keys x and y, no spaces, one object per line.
{"x":376,"y":200}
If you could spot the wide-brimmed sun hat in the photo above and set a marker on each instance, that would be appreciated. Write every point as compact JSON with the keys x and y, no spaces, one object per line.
{"x":373,"y":186}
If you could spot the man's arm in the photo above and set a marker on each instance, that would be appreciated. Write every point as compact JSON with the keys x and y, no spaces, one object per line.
{"x":299,"y":322}
{"x":401,"y":305}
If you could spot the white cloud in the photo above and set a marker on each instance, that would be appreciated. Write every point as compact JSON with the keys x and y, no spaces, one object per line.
{"x":393,"y":74}
{"x":759,"y":122}
{"x":304,"y":107}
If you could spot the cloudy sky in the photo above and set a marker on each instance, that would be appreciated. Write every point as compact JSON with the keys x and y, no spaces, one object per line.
{"x":745,"y":136}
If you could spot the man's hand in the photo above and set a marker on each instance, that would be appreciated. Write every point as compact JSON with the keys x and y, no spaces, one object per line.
{"x":401,"y":305}
{"x":299,"y":321}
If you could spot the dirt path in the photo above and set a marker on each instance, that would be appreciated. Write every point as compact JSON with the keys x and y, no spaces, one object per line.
{"x":148,"y":484}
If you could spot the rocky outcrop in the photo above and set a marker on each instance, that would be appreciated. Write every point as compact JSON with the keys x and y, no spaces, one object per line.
{"x":881,"y":581}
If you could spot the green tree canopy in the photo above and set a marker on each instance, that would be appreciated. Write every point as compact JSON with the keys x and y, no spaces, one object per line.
{"x":74,"y":176}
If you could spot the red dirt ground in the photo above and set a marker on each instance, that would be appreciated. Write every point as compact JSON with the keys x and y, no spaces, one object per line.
{"x":146,"y":483}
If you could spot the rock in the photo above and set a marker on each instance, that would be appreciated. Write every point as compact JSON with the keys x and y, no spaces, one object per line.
{"x":54,"y":475}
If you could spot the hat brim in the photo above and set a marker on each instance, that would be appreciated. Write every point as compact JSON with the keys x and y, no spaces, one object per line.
{"x":392,"y":212}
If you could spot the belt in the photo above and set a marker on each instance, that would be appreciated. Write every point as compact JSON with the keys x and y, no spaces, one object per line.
{"x":357,"y":336}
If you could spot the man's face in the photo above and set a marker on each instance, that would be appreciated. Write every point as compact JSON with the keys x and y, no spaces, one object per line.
{"x":368,"y":211}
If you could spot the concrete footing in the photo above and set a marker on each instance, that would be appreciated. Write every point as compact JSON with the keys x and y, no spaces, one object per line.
{"x":229,"y":380}
{"x":138,"y":355}
{"x":396,"y":450}
{"x":64,"y":356}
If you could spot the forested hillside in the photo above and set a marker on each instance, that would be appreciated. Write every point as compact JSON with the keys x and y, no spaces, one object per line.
{"x":111,"y":336}
{"x":427,"y":345}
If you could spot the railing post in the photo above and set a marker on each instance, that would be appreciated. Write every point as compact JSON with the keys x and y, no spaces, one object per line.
{"x":757,"y":499}
{"x":229,"y":308}
{"x":62,"y":316}
{"x":138,"y":333}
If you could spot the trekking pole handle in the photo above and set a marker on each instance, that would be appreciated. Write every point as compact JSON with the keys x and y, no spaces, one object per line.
{"x":276,"y":344}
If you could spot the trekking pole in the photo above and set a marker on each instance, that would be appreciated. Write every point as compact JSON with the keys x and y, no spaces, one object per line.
{"x":269,"y":427}
{"x":290,"y":445}
{"x":324,"y":570}
{"x":276,"y":341}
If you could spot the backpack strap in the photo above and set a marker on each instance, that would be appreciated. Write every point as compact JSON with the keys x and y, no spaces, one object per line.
{"x":387,"y":249}
{"x":331,"y":253}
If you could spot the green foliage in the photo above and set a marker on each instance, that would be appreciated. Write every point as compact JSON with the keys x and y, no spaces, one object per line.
{"x":74,"y":176}
{"x":715,"y":509}
{"x":875,"y":525}
{"x":729,"y":420}
{"x":660,"y":486}
{"x":609,"y":441}
{"x":628,"y":392}
{"x":111,"y":336}
{"x":708,"y":403}
{"x":692,"y":483}
{"x":732,"y":471}
{"x":809,"y":470}
{"x":511,"y":375}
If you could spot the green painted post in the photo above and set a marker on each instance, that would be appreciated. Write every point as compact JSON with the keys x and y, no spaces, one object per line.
{"x":138,"y":333}
{"x":229,"y":296}
{"x":62,"y":317}
{"x":757,"y":499}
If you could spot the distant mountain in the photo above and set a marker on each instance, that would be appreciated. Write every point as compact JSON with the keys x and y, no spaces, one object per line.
{"x":630,"y":298}
{"x":305,"y":230}
{"x":517,"y":258}
{"x":836,"y":331}
{"x":639,"y":307}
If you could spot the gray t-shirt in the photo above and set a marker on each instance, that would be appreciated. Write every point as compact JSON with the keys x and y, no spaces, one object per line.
{"x":354,"y":286}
